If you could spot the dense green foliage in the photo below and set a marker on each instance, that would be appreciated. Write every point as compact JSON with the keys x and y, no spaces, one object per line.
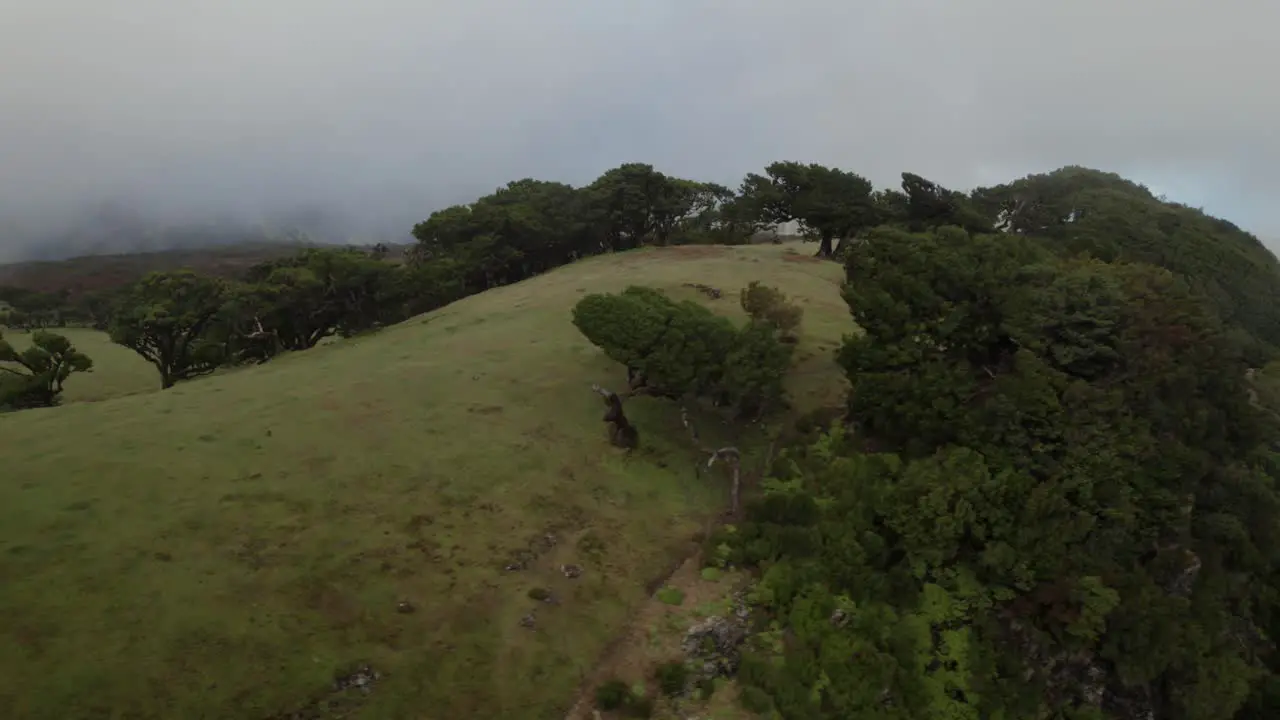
{"x":1057,"y":499}
{"x":164,"y":318}
{"x":829,"y":202}
{"x":1081,"y":210}
{"x":683,"y":349}
{"x":34,"y":377}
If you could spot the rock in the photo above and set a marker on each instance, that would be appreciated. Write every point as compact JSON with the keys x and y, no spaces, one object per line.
{"x":571,"y":571}
{"x":713,"y":645}
{"x":528,"y":620}
{"x":404,"y":607}
{"x":363,"y":678}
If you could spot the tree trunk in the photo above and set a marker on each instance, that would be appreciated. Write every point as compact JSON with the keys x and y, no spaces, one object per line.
{"x":824,"y":247}
{"x":166,"y":379}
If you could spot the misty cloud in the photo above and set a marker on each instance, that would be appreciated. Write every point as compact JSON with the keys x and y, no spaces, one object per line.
{"x":380,"y":111}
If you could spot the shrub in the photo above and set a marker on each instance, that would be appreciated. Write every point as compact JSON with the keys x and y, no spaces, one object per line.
{"x":638,"y":706}
{"x":670,"y":596}
{"x":612,"y":694}
{"x":755,"y":369}
{"x":756,"y":700}
{"x":672,"y":677}
{"x":677,"y":349}
{"x":770,"y":306}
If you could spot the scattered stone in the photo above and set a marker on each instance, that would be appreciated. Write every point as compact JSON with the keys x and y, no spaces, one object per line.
{"x":528,"y":620}
{"x":404,"y":607}
{"x":707,"y":290}
{"x":571,"y":571}
{"x":363,"y":678}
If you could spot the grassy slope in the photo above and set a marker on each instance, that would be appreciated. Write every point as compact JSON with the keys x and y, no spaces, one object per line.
{"x":224,"y":548}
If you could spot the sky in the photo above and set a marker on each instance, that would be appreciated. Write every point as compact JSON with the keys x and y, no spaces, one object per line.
{"x":381,"y":111}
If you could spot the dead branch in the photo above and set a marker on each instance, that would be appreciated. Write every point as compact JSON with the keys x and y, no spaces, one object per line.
{"x":729,"y":455}
{"x":713,"y":293}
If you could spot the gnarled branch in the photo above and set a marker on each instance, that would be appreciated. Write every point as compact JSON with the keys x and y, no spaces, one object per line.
{"x":621,"y":432}
{"x":728,"y":455}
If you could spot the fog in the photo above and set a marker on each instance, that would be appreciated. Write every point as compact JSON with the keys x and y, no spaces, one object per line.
{"x":370,"y":114}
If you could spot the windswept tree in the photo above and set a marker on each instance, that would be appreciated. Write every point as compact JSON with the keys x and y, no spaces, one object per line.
{"x":1059,"y":501}
{"x":319,"y":292}
{"x":829,"y":202}
{"x":163,"y":317}
{"x":683,"y":350}
{"x":632,"y":204}
{"x":34,"y":377}
{"x":930,"y":205}
{"x":1078,"y":210}
{"x":522,"y":229}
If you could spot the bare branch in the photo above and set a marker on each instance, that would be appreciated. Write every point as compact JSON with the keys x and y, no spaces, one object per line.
{"x":728,"y":455}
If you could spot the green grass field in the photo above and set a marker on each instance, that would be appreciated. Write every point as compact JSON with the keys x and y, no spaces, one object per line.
{"x":226,"y":548}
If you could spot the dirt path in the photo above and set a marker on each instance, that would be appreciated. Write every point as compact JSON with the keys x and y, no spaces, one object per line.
{"x":655,"y":631}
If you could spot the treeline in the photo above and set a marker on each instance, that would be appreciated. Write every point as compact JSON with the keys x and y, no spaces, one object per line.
{"x":188,"y":324}
{"x":1055,"y":491}
{"x":1054,"y":495}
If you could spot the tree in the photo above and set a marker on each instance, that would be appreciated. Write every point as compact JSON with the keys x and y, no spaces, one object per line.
{"x":302,"y":299}
{"x":633,"y":204}
{"x":522,"y":229}
{"x":163,"y":318}
{"x":829,"y":202}
{"x":930,"y":205}
{"x":41,"y":370}
{"x":679,"y":350}
{"x":1081,"y":211}
{"x":1060,"y":499}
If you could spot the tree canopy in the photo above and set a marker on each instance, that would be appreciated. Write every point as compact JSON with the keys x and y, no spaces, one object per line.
{"x":163,"y":318}
{"x":829,"y":202}
{"x":683,"y":349}
{"x":1054,"y":498}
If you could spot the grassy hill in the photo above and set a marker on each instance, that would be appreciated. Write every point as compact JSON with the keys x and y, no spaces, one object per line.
{"x":226,"y":549}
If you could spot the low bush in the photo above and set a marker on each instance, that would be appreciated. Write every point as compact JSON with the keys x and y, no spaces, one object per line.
{"x":672,"y":677}
{"x":770,"y":306}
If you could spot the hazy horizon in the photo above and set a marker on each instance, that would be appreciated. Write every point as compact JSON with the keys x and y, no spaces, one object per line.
{"x":369,"y":116}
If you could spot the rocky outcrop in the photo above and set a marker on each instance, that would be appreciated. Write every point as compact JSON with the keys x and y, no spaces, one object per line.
{"x":714,"y":645}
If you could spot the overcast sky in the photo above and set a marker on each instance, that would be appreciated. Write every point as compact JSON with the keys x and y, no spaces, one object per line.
{"x":387,"y":109}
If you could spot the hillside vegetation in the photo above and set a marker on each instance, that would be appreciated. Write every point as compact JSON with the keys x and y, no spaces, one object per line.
{"x":223,"y":549}
{"x":1018,"y":447}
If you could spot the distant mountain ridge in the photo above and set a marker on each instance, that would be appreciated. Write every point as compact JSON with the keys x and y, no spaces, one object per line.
{"x":92,"y":273}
